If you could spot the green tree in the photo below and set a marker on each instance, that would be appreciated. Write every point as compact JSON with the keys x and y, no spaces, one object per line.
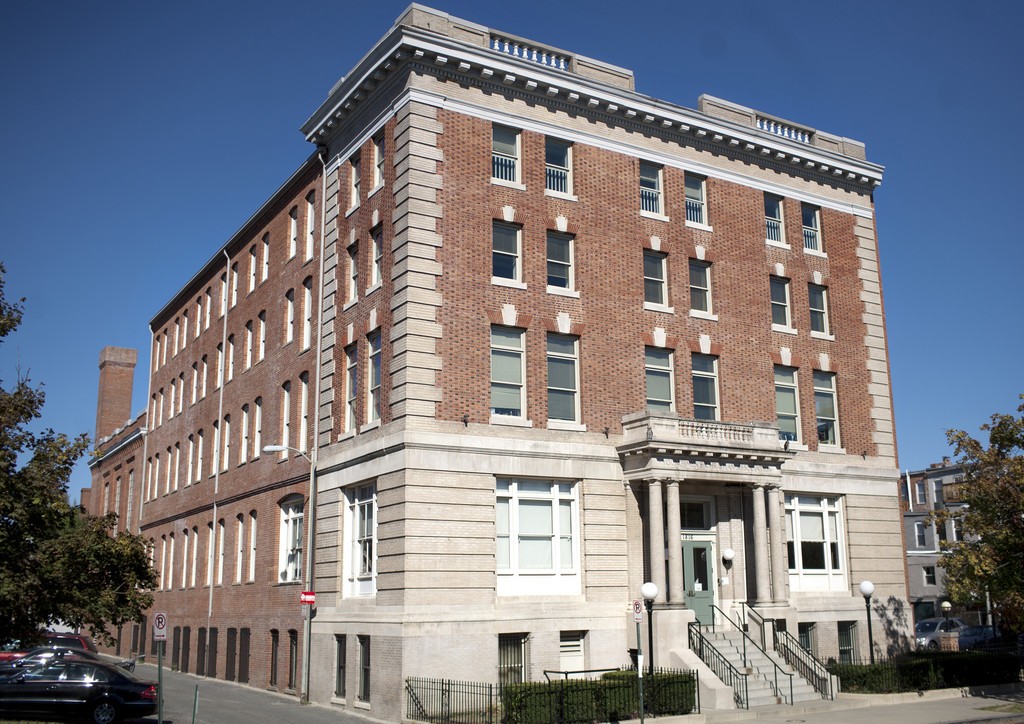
{"x":57,"y":564}
{"x":990,"y":555}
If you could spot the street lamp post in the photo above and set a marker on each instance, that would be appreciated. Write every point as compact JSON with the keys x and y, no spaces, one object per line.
{"x":867,"y":588}
{"x":649,"y":591}
{"x":307,"y":624}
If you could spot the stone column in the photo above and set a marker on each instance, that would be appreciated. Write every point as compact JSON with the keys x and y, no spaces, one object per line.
{"x":656,"y":537}
{"x":675,"y":551}
{"x":777,"y":534}
{"x":762,"y":588}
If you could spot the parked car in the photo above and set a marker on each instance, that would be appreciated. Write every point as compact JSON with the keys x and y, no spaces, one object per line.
{"x":44,"y":654}
{"x":71,"y":641}
{"x":975,"y":636}
{"x":928,"y":630}
{"x":11,"y":650}
{"x":74,"y":687}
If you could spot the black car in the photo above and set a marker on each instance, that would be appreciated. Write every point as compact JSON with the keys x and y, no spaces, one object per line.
{"x":74,"y":687}
{"x":43,"y":654}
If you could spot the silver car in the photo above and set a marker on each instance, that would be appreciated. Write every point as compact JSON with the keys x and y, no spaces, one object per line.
{"x":928,"y":630}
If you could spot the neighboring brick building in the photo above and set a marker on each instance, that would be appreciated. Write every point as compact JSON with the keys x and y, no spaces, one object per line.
{"x":571,"y":338}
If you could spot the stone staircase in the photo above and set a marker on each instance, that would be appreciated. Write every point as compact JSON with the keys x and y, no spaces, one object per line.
{"x":759,"y":666}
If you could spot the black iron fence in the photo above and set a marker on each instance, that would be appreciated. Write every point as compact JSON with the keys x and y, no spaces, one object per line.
{"x":612,"y":696}
{"x":925,"y":670}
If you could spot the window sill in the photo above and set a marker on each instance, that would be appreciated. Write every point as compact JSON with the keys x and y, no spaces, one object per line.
{"x":815,"y":252}
{"x":374,"y":190}
{"x":349,"y":304}
{"x":566,"y":425}
{"x":652,"y":307}
{"x":797,"y":447}
{"x":510,"y":421}
{"x":654,"y":215}
{"x":823,"y":335}
{"x":698,"y":314}
{"x":778,"y":244}
{"x":351,"y":211}
{"x":362,"y":705}
{"x":508,"y":184}
{"x":346,"y":435}
{"x":697,"y":225}
{"x":560,"y":195}
{"x":831,"y":449}
{"x":783,"y":330}
{"x":338,"y":700}
{"x":373,"y":425}
{"x":510,"y":283}
{"x":372,"y":289}
{"x":287,"y":583}
{"x":563,"y":292}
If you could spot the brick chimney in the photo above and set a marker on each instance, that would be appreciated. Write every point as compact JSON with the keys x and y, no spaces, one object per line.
{"x":114,"y":403}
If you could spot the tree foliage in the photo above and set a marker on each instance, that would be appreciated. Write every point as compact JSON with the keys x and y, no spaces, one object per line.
{"x":990,"y":555}
{"x":57,"y":564}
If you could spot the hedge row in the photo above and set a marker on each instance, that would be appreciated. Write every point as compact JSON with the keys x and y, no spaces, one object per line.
{"x":921,"y":671}
{"x":612,"y":697}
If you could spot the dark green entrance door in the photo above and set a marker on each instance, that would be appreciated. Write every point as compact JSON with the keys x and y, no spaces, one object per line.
{"x":698,"y":590}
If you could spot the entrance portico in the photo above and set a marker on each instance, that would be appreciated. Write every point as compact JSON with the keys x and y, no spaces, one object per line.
{"x":673,"y":464}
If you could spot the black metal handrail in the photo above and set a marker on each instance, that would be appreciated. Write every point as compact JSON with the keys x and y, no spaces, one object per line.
{"x":721,"y":666}
{"x":760,"y":627}
{"x":746,"y":637}
{"x":806,"y":663}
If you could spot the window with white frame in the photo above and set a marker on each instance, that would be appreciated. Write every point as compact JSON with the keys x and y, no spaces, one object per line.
{"x":310,"y":223}
{"x":289,"y":316}
{"x":195,"y":557}
{"x":929,"y":575}
{"x":252,"y":268}
{"x":696,"y":204}
{"x":220,"y":552}
{"x":705,"y":387}
{"x":505,"y":154}
{"x":811,"y":219}
{"x":658,"y":379}
{"x":243,"y":439}
{"x":920,"y":538}
{"x":351,"y":386}
{"x":293,"y":231}
{"x":252,"y":546}
{"x":184,"y":329}
{"x":826,"y":409}
{"x":781,"y":318}
{"x":239,"y":546}
{"x":257,"y":427}
{"x":353,"y":274}
{"x":286,"y":418}
{"x":775,"y":230}
{"x":561,"y":272}
{"x":223,"y":294}
{"x":378,"y":161}
{"x":265,"y":267}
{"x":557,"y":166}
{"x":700,"y":286}
{"x":190,"y":472}
{"x":211,"y":542}
{"x":199,"y":455}
{"x":506,"y":252}
{"x":262,"y":346}
{"x":248,"y":344}
{"x":377,"y":264}
{"x":655,"y":278}
{"x":508,"y":372}
{"x":817,"y":296}
{"x":361,"y":542}
{"x":563,"y":378}
{"x":231,"y":357}
{"x":307,"y":312}
{"x":170,"y":563}
{"x":814,"y":536}
{"x":354,"y":182}
{"x":537,"y":539}
{"x":650,"y":188}
{"x":208,"y":307}
{"x":787,"y":403}
{"x":290,"y":558}
{"x":373,"y":371}
{"x":184,"y":558}
{"x":226,"y":436}
{"x":234,"y":284}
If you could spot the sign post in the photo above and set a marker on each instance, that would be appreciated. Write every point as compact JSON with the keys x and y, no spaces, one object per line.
{"x":638,"y":617}
{"x":160,"y":636}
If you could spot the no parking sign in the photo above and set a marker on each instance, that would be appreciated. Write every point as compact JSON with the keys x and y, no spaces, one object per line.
{"x":160,"y":626}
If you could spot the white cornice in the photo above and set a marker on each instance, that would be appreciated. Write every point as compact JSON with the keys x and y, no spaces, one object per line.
{"x":481,"y":65}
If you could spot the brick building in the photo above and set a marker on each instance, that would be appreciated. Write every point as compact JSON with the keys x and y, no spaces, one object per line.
{"x":552,"y":338}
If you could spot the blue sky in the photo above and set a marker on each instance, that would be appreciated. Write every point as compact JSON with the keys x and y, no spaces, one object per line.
{"x":139,"y":136}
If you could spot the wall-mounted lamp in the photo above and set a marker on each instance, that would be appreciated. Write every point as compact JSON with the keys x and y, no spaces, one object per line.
{"x":727,"y":555}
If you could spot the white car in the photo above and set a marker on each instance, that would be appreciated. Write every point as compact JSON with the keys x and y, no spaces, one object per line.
{"x":928,"y":630}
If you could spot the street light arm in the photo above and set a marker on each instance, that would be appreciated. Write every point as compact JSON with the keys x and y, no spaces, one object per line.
{"x":286,"y":448}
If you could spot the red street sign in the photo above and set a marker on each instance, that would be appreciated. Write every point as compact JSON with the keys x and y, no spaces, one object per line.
{"x":307,"y":597}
